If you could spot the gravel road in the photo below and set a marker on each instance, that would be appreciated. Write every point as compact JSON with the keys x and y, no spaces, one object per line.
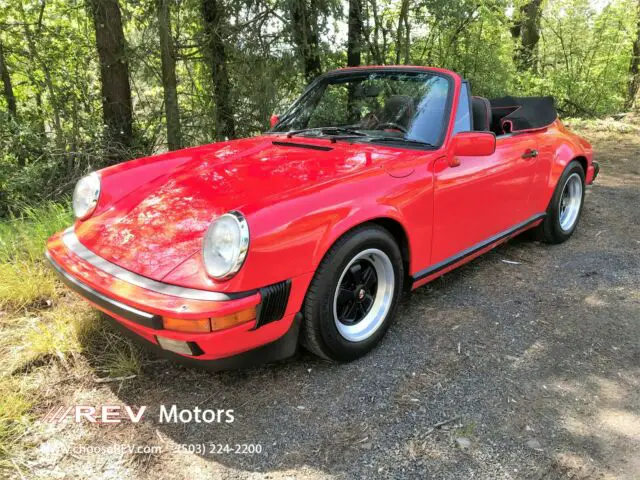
{"x":497,"y":370}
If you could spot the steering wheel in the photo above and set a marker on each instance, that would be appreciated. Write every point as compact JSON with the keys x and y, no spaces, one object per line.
{"x":382,"y":126}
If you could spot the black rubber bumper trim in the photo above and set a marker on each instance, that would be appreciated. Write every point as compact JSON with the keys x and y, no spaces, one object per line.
{"x":596,"y":170}
{"x":134,"y":315}
{"x":280,"y":349}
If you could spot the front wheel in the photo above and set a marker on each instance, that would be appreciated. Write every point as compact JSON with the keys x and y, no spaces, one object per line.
{"x":565,"y":207}
{"x":353,"y":295}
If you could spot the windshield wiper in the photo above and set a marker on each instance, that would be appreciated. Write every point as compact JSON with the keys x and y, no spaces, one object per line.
{"x":328,"y":131}
{"x":400,"y":140}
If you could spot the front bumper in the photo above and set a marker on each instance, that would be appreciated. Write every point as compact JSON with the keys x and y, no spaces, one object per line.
{"x":280,"y":349}
{"x":141,"y":310}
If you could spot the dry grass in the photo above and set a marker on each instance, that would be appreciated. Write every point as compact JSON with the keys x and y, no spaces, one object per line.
{"x":627,"y":125}
{"x":14,"y":413}
{"x":24,"y":284}
{"x":43,"y":325}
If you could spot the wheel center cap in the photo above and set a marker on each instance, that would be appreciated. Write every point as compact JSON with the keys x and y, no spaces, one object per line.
{"x":361,"y":294}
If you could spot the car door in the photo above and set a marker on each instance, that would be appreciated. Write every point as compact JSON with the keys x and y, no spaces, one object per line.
{"x":482,"y":197}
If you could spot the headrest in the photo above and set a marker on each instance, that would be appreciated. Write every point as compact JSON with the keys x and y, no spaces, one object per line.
{"x":481,"y":114}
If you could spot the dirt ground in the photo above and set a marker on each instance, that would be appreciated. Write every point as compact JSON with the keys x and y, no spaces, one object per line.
{"x":498,"y":370}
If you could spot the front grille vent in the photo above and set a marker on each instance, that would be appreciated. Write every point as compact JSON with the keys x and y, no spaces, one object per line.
{"x":274,"y":302}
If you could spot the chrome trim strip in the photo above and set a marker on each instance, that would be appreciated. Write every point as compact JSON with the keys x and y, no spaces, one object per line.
{"x":71,"y":241}
{"x":130,"y":313}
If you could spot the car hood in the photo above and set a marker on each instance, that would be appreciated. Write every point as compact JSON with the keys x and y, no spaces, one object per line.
{"x":161,"y":222}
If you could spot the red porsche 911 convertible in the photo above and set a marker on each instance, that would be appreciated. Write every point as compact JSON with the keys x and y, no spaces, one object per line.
{"x":376,"y":180}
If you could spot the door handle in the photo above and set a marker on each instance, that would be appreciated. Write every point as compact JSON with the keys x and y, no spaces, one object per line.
{"x":530,"y":153}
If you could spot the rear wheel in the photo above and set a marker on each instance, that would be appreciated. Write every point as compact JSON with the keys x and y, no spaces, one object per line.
{"x":565,"y":207}
{"x":353,"y":295}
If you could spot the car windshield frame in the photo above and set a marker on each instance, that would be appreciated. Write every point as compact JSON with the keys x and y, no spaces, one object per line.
{"x":344,"y":75}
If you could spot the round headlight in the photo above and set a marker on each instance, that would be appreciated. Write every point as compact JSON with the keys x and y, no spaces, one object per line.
{"x":225,"y":245}
{"x":86,"y":195}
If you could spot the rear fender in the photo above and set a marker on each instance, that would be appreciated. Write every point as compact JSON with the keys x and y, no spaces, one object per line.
{"x":571,"y":147}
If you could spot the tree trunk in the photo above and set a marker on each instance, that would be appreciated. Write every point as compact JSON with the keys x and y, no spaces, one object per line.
{"x":354,"y":40}
{"x":376,"y":52}
{"x":304,"y":29}
{"x":8,"y":87}
{"x":214,"y":24}
{"x":39,"y":120}
{"x":169,"y":83}
{"x":403,"y":25}
{"x":526,"y":32}
{"x":634,"y":66}
{"x":407,"y":41}
{"x":354,"y":49}
{"x":48,"y":78}
{"x":117,"y":110}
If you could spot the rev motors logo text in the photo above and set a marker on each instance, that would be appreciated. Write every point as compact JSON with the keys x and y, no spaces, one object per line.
{"x":116,"y":414}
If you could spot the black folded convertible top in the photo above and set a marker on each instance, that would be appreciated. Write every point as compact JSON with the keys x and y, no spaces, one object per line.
{"x":516,"y":114}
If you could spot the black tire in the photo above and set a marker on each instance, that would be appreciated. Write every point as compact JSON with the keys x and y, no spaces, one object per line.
{"x":550,"y":230}
{"x":320,"y":333}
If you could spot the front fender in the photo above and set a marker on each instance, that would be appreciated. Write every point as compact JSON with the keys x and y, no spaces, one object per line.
{"x":290,"y":237}
{"x":355,"y":217}
{"x":407,"y":201}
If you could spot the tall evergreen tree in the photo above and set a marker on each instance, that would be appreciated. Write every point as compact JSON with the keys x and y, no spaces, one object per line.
{"x":354,"y":35}
{"x":7,"y":85}
{"x":213,"y":14}
{"x":169,"y":83}
{"x":526,"y":32}
{"x":304,"y":31}
{"x":114,"y":75}
{"x":634,"y":65}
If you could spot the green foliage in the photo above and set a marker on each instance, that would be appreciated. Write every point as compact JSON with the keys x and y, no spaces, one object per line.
{"x":23,"y":235}
{"x":582,"y":58}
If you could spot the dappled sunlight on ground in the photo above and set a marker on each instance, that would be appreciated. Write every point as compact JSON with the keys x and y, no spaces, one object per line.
{"x":496,"y":370}
{"x":606,"y":419}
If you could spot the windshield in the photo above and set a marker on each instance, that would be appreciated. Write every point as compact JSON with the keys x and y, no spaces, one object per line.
{"x":380,"y":105}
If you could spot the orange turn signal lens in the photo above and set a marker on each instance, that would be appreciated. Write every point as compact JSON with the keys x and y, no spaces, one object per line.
{"x":233,"y":319}
{"x":206,"y":325}
{"x":200,"y":325}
